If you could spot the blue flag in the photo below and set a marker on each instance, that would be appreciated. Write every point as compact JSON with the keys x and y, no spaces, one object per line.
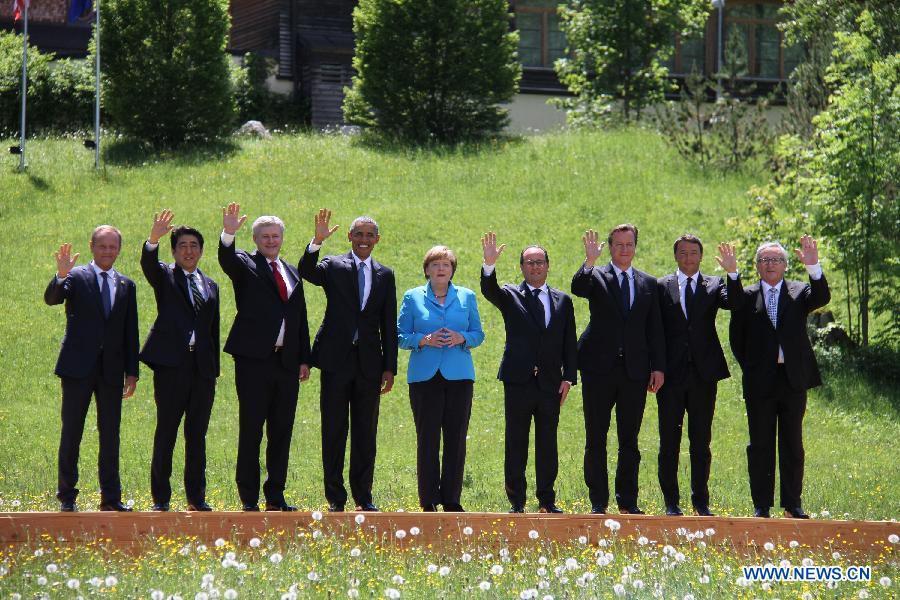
{"x":79,"y":10}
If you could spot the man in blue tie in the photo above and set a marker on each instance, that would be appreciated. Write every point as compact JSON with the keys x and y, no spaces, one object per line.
{"x":621,"y":356}
{"x":98,"y":357}
{"x":770,"y":342}
{"x":355,"y":350}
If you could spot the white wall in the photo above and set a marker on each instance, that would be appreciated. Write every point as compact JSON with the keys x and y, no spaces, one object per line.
{"x":530,"y":114}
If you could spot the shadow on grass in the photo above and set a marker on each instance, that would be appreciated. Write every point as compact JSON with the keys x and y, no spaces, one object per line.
{"x":132,"y":153}
{"x":863,"y":382}
{"x":474,"y":148}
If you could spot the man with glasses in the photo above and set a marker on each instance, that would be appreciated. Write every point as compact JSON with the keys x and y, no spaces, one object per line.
{"x":537,"y":369}
{"x":769,"y":340}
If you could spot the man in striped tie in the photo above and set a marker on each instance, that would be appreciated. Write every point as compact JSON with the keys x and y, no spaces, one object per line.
{"x":769,"y":341}
{"x":183,"y":351}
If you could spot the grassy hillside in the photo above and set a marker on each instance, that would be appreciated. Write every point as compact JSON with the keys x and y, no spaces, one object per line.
{"x":541,"y":190}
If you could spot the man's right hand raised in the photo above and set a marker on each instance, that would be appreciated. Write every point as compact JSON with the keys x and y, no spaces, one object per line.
{"x":162,"y":224}
{"x":231,"y":222}
{"x":322,"y":230}
{"x":65,"y":261}
{"x":592,"y":247}
{"x":491,"y":251}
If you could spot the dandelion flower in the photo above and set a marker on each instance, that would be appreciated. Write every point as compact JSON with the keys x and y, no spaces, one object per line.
{"x":201,"y":596}
{"x":836,"y":555}
{"x":533,"y":534}
{"x":893,"y":538}
{"x":467,"y":530}
{"x":414,"y":530}
{"x":392,"y":593}
{"x":312,"y":576}
{"x":710,"y":531}
{"x":219,"y":543}
{"x":42,"y":580}
{"x":400,"y":534}
{"x":497,"y":570}
{"x":769,"y":546}
{"x":807,"y":562}
{"x":355,"y":552}
{"x":316,"y":515}
{"x":73,"y":584}
{"x":742,"y":581}
{"x":484,"y":586}
{"x":52,"y":568}
{"x":637,"y":584}
{"x":688,"y":597}
{"x":275,"y":558}
{"x":353,"y":592}
{"x":863,"y":594}
{"x":398,"y":580}
{"x":157,"y":595}
{"x":704,"y":579}
{"x":255,"y":542}
{"x":466,"y":557}
{"x":230,"y":556}
{"x":230,"y":594}
{"x":39,"y":552}
{"x":885,"y":582}
{"x":542,"y":560}
{"x":360,"y":519}
{"x":444,"y":571}
{"x":642,"y":541}
{"x":619,"y":590}
{"x":432,"y":568}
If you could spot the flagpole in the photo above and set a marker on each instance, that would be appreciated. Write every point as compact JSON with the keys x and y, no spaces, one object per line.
{"x":24,"y":89}
{"x":97,"y":93}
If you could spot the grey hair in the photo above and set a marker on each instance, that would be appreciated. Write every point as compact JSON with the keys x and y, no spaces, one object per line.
{"x":767,"y":245}
{"x":363,"y":221}
{"x":265,"y":221}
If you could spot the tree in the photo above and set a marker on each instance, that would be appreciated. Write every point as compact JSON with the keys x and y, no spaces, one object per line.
{"x":167,"y":78}
{"x":615,"y":47}
{"x":432,"y":70}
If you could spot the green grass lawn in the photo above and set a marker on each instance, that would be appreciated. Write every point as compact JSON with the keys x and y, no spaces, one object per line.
{"x":544,"y":190}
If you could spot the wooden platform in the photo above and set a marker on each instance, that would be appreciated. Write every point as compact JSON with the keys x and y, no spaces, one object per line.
{"x":442,"y":529}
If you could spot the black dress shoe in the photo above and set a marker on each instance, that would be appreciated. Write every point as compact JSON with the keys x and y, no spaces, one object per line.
{"x":598,"y":509}
{"x":160,"y":507}
{"x":114,"y":507}
{"x":429,"y":508}
{"x":67,"y":506}
{"x":673,"y":510}
{"x":335,"y":507}
{"x":367,"y":507}
{"x":250,"y":508}
{"x":630,"y":510}
{"x":551,"y":509}
{"x":795,"y":513}
{"x":516,"y":508}
{"x":703,"y":511}
{"x":761,"y":512}
{"x":454,"y":508}
{"x":201,"y":506}
{"x":282,"y":506}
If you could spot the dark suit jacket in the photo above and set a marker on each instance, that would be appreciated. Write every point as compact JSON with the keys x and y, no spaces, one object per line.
{"x":260,"y":309}
{"x":639,"y":335}
{"x":696,"y":339}
{"x":167,"y":343}
{"x":755,"y":342}
{"x":552,"y":349}
{"x":88,"y":333}
{"x":376,"y":323}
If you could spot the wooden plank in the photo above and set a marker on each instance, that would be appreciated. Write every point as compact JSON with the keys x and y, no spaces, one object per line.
{"x":443,"y":529}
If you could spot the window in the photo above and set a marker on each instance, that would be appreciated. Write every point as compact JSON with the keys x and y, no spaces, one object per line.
{"x":540,"y":40}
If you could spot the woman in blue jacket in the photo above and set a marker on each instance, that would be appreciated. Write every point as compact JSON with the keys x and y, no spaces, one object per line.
{"x":439,"y":323}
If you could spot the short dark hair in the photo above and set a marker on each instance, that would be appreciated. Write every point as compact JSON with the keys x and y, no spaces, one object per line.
{"x":689,"y":238}
{"x":183,"y":230}
{"x":539,"y":247}
{"x":622,"y":227}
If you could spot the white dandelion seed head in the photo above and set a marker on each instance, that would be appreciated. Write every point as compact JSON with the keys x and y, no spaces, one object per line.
{"x":444,"y":571}
{"x":353,"y":592}
{"x":699,"y":534}
{"x":785,"y":563}
{"x":316,"y":515}
{"x":207,"y":580}
{"x":542,"y":560}
{"x":688,"y":597}
{"x":670,"y":550}
{"x":582,"y":539}
{"x":836,"y":555}
{"x":316,"y":534}
{"x":42,"y":580}
{"x":466,"y":557}
{"x":885,"y":582}
{"x":690,"y":537}
{"x":637,"y":584}
{"x":807,"y":562}
{"x":528,"y":594}
{"x":130,"y":503}
{"x":643,"y":541}
{"x":602,"y":561}
{"x":504,"y":552}
{"x":704,"y":579}
{"x":542,"y":571}
{"x":769,"y":546}
{"x":398,"y":580}
{"x":157,"y":595}
{"x":588,"y":576}
{"x":392,"y":593}
{"x":255,"y":542}
{"x":275,"y":558}
{"x":766,"y":586}
{"x":355,"y":552}
{"x":414,"y":530}
{"x":893,"y":538}
{"x":679,"y":556}
{"x":95,"y":582}
{"x":39,"y":552}
{"x":863,"y":594}
{"x":794,"y":544}
{"x":484,"y":586}
{"x":219,"y":542}
{"x":432,"y":568}
{"x":710,"y":531}
{"x":201,"y":596}
{"x":742,"y":581}
{"x":73,"y":584}
{"x":52,"y":568}
{"x":681,"y":531}
{"x":571,"y":564}
{"x":201,"y":548}
{"x":231,"y":556}
{"x":230,"y":594}
{"x":533,"y":534}
{"x":496,"y":570}
{"x":467,"y":530}
{"x":289,"y":596}
{"x":360,"y":519}
{"x":619,"y":590}
{"x":312,"y":576}
{"x":602,"y":543}
{"x":400,"y":534}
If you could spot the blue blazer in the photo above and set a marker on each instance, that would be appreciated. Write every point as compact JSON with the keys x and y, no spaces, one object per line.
{"x":421,"y":314}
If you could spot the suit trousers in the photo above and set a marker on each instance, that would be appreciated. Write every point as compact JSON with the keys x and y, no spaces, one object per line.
{"x":525,"y":401}
{"x":267,"y":396}
{"x":698,"y":399}
{"x":600,"y":393}
{"x":441,"y":406}
{"x":180,"y":391}
{"x":349,"y":399}
{"x":782,"y":412}
{"x":76,"y":399}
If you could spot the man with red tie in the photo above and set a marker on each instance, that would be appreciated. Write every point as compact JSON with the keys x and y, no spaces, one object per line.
{"x":269,"y":341}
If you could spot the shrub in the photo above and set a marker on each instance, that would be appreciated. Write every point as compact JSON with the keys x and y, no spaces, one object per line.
{"x":432,"y":70}
{"x":166,"y":72}
{"x":255,"y":100}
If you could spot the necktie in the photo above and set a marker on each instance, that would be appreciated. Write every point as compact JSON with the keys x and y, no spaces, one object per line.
{"x":361,"y":281}
{"x":772,"y":306}
{"x":104,"y":294}
{"x":196,"y":296}
{"x":688,"y":297}
{"x":538,"y":307}
{"x":626,"y":293}
{"x":279,"y":281}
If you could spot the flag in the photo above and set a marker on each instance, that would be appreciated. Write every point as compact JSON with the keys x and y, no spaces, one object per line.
{"x":79,"y":10}
{"x":19,"y":8}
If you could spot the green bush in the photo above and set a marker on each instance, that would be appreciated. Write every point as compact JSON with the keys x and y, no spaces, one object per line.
{"x":255,"y":100}
{"x":166,"y":73}
{"x":432,"y":70}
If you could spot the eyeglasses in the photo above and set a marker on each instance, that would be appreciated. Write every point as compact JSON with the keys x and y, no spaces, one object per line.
{"x":535,"y":263}
{"x":768,"y":260}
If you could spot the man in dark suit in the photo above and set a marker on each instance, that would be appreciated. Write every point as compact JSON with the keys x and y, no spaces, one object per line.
{"x":539,"y":366}
{"x":269,"y":341}
{"x":183,"y":351}
{"x":621,"y":355}
{"x":99,"y":352}
{"x":689,"y":302}
{"x":356,"y":352}
{"x":769,"y":340}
